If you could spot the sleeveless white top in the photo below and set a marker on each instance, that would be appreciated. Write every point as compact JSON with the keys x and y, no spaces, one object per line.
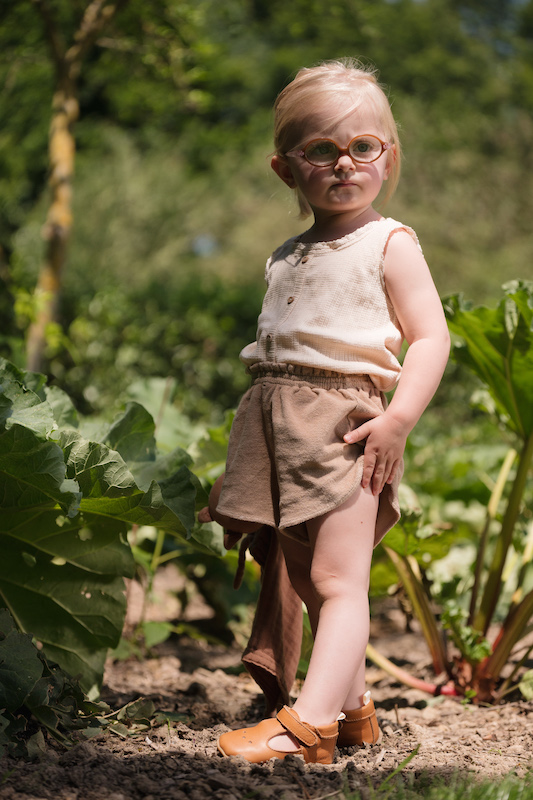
{"x":327,"y":306}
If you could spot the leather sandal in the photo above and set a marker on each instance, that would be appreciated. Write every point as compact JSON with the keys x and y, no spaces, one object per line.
{"x":360,"y":726}
{"x":317,"y":745}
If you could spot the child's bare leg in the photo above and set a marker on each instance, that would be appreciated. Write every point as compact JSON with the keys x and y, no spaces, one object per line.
{"x":298,"y":559}
{"x":342,"y":543}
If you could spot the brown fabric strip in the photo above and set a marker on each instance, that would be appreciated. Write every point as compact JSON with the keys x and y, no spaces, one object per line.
{"x":273,"y":651}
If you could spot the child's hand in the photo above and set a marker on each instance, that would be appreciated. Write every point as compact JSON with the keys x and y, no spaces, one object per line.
{"x":204,"y":515}
{"x":384,"y":447}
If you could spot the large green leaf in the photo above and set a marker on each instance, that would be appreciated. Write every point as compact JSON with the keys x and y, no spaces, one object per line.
{"x":76,"y":615}
{"x":62,"y":581}
{"x":110,"y":490}
{"x":132,"y":434}
{"x":64,"y":413}
{"x":87,"y":542}
{"x":410,"y":536}
{"x":21,"y":396}
{"x":20,"y":667}
{"x":212,"y":449}
{"x":66,"y":505}
{"x":180,"y":489}
{"x":36,"y":695}
{"x":497,"y":344}
{"x":33,"y":474}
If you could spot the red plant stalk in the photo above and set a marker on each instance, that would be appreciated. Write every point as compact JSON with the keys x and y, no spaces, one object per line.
{"x":492,"y":590}
{"x":405,"y":677}
{"x":510,"y":633}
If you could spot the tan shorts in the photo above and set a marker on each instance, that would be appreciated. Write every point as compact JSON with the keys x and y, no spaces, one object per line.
{"x":287,"y":461}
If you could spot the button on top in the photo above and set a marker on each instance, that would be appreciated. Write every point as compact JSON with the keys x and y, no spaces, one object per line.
{"x":290,"y":300}
{"x":305,"y":259}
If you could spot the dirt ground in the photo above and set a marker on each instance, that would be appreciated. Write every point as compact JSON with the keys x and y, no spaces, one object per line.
{"x":180,"y":761}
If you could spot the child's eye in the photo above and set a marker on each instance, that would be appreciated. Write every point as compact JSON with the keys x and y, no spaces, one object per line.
{"x":363,"y":147}
{"x":321,"y":149}
{"x":367,"y":148}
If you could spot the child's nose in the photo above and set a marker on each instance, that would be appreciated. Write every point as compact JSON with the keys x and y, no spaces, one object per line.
{"x":345,"y":162}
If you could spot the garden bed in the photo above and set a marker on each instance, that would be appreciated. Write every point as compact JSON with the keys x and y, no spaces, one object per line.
{"x":179,"y":760}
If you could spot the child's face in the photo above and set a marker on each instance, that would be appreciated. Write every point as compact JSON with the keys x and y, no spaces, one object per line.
{"x":345,"y":187}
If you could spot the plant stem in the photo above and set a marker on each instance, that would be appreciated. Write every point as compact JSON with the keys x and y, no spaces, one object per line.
{"x":164,"y":402}
{"x":422,"y":609}
{"x":405,"y":677}
{"x":492,"y":587}
{"x":157,"y":550}
{"x":527,"y":557}
{"x":492,"y":509}
{"x":510,"y":635}
{"x":504,"y":688}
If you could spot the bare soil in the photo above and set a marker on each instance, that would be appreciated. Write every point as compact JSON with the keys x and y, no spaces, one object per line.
{"x":179,"y":761}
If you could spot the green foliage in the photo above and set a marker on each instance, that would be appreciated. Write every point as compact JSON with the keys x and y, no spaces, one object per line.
{"x":401,"y":766}
{"x":191,"y":335}
{"x":497,"y":345}
{"x":415,"y":785}
{"x":526,"y":685}
{"x":67,"y":504}
{"x":175,"y":211}
{"x":173,"y":197}
{"x":35,"y":695}
{"x":133,"y":719}
{"x":202,"y":76}
{"x":208,"y":575}
{"x":306,"y":648}
{"x":25,"y":71}
{"x":38,"y":698}
{"x":470,"y":643}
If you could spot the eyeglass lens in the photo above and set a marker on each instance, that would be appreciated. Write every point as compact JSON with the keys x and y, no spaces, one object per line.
{"x":323,"y":151}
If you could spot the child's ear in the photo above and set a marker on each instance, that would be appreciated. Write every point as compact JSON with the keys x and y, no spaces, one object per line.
{"x":391,"y":160}
{"x":283,"y":170}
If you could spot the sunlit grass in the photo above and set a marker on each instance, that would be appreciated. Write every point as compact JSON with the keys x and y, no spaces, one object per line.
{"x":455,"y":787}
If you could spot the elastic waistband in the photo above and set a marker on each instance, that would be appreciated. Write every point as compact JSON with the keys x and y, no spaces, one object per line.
{"x":323,"y":378}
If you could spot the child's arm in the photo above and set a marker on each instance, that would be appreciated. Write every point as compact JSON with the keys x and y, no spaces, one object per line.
{"x":419,"y":311}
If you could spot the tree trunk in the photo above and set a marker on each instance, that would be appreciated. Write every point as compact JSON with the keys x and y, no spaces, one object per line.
{"x":58,"y":224}
{"x":62,"y":148}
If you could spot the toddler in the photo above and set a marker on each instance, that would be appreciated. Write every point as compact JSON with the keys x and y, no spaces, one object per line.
{"x":314,"y":451}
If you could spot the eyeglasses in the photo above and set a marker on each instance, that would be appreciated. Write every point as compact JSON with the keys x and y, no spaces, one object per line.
{"x":324,"y":152}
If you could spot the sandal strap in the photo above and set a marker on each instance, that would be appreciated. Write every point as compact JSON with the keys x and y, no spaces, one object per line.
{"x":360,"y":714}
{"x":300,"y":730}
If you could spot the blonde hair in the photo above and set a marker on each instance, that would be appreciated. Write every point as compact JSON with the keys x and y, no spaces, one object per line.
{"x":318,"y":88}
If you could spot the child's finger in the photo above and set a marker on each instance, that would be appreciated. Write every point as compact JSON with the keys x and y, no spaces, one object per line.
{"x":378,"y":478}
{"x":393,"y":472}
{"x":357,"y":435}
{"x":369,"y":465}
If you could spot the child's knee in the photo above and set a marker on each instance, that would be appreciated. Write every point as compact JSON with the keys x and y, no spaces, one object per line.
{"x":329,"y":583}
{"x":324,"y":582}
